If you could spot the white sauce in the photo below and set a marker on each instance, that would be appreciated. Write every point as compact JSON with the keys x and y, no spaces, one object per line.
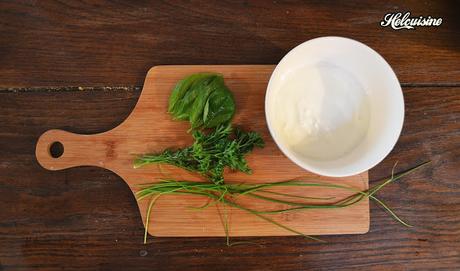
{"x":322,"y":111}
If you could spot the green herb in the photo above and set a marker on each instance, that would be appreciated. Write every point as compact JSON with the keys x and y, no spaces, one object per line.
{"x":225,"y":194}
{"x":211,"y":153}
{"x":203,"y":99}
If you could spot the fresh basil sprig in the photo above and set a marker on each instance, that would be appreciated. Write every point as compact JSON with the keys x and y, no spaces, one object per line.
{"x":203,"y":100}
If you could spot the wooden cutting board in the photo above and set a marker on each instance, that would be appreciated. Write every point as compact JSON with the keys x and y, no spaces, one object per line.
{"x":149,"y":129}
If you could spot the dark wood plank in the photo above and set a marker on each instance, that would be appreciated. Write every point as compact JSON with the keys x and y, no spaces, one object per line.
{"x":85,"y":218}
{"x":114,"y":43}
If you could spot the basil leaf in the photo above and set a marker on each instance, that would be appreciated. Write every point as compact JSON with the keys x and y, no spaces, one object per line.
{"x":182,"y":87}
{"x":203,"y":99}
{"x":221,"y":107}
{"x":196,"y":114}
{"x":184,"y":106}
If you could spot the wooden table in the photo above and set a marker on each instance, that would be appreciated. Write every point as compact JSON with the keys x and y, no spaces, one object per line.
{"x":80,"y":66}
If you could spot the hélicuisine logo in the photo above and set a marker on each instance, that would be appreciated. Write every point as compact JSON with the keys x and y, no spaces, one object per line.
{"x":404,"y":21}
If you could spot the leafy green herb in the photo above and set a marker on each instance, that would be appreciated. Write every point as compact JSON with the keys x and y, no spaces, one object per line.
{"x":203,"y":99}
{"x":225,"y":194}
{"x":210,"y":153}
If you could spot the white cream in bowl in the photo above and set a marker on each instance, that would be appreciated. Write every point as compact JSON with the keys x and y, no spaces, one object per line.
{"x":334,"y":106}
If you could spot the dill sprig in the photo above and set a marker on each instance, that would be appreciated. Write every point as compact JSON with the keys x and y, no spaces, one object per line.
{"x":210,"y":153}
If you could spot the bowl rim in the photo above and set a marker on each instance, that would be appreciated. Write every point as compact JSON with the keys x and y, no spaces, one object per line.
{"x":307,"y":166}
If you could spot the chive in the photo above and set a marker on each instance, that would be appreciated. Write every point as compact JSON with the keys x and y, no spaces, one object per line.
{"x":219,"y":193}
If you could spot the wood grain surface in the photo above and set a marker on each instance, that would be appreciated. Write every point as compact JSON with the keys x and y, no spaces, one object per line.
{"x":150,"y":129}
{"x":79,"y":66}
{"x":106,"y":43}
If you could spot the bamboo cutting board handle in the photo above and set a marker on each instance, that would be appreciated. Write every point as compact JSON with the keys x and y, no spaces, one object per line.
{"x":76,"y":149}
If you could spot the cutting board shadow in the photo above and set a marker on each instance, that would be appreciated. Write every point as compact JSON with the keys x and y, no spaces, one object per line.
{"x":149,"y":129}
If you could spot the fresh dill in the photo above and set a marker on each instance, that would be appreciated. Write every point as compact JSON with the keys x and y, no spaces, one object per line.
{"x":210,"y":153}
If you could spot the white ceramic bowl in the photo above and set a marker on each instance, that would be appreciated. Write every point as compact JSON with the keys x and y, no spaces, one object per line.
{"x":382,"y":93}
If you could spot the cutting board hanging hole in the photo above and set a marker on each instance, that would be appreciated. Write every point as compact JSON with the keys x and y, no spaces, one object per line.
{"x":56,"y":149}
